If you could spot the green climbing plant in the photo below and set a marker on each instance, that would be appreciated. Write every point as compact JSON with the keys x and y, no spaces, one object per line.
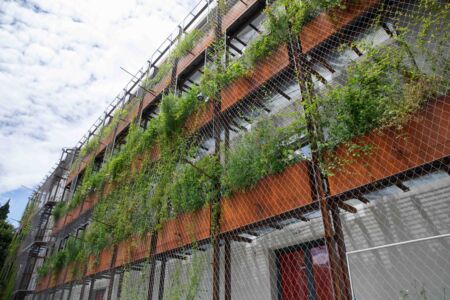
{"x":265,"y":150}
{"x":383,"y":89}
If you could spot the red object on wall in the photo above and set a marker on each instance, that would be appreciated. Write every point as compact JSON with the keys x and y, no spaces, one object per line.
{"x":304,"y":273}
{"x":293,"y":276}
{"x":321,"y":272}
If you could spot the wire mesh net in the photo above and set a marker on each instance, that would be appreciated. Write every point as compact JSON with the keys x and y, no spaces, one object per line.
{"x":279,"y":150}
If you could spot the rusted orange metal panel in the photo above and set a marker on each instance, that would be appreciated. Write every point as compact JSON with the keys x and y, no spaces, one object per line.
{"x":183,"y":230}
{"x":327,"y":24}
{"x":270,"y":197}
{"x":131,"y":250}
{"x":262,"y":72}
{"x":100,"y":263}
{"x":238,"y":9}
{"x":425,"y":138}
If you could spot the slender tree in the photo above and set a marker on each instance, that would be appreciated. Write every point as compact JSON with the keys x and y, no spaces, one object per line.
{"x":6,"y":233}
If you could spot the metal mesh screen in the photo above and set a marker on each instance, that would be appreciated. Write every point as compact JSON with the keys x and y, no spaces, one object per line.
{"x":276,"y":150}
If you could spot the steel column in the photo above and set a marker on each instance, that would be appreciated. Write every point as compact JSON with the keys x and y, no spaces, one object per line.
{"x":162,"y":276}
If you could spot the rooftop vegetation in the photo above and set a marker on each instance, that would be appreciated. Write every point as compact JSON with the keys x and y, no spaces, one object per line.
{"x":383,"y":89}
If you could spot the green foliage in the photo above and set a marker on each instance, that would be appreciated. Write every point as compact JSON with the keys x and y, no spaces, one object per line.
{"x":58,"y":211}
{"x":92,"y":145}
{"x":214,"y":79}
{"x":186,"y":44}
{"x":163,"y":70}
{"x":263,"y":151}
{"x":283,"y":16}
{"x":194,"y":185}
{"x":183,"y":47}
{"x":134,"y":284}
{"x":382,"y":90}
{"x":6,"y":233}
{"x":53,"y":263}
{"x":9,"y":266}
{"x":187,"y":289}
{"x":74,"y":251}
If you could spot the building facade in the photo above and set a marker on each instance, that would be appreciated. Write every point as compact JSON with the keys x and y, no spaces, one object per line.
{"x":269,"y":150}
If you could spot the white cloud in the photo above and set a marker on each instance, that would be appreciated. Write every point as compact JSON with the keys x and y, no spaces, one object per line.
{"x":60,"y":66}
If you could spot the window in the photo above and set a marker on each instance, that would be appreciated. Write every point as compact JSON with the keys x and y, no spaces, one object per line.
{"x":99,"y":294}
{"x":304,"y":272}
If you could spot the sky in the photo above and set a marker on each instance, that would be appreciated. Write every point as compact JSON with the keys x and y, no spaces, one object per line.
{"x":59,"y":68}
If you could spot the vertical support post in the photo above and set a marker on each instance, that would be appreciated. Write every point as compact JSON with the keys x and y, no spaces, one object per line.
{"x":113,"y":144}
{"x":215,"y":205}
{"x":53,"y":295}
{"x":162,"y":276}
{"x":83,"y":287}
{"x":112,"y":272}
{"x":119,"y":290}
{"x":227,"y":269}
{"x":151,"y":282}
{"x":318,"y":181}
{"x":91,"y":288}
{"x":70,"y":291}
{"x":342,"y":251}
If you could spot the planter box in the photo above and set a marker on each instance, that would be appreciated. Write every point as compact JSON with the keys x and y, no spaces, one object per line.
{"x":68,"y":218}
{"x":235,"y":12}
{"x":76,"y":212}
{"x":43,"y":283}
{"x":60,"y":276}
{"x":70,"y":275}
{"x":132,"y":249}
{"x":425,"y":138}
{"x":327,"y":24}
{"x":200,"y":119}
{"x":273,"y":195}
{"x":261,"y":73}
{"x":198,"y":49}
{"x":184,"y":230}
{"x":53,"y":280}
{"x":100,"y":263}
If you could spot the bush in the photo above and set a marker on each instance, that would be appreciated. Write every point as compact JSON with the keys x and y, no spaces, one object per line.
{"x":262,"y":152}
{"x":58,"y":210}
{"x":381,"y":91}
{"x":193,"y":186}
